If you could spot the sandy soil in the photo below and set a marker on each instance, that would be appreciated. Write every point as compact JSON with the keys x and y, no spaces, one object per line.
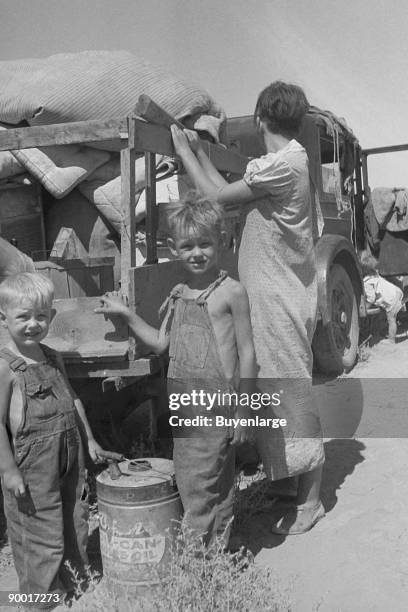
{"x":355,"y":559}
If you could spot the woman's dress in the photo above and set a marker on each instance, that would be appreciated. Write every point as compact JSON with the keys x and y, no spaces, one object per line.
{"x":277,"y":267}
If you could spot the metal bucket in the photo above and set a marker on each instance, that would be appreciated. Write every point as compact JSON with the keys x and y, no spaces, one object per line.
{"x":136,"y":514}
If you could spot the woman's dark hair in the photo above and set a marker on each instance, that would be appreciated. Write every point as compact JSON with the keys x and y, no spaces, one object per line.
{"x":282,"y":106}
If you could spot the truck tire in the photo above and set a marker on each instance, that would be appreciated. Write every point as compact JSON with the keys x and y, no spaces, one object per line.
{"x":335,"y":344}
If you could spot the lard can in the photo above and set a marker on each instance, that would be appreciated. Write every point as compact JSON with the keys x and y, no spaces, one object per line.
{"x":137,"y":512}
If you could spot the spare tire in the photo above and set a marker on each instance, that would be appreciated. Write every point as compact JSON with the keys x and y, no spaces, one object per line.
{"x":335,"y":344}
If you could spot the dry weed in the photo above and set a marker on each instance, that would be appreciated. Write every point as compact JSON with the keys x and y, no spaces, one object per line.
{"x":199,"y":579}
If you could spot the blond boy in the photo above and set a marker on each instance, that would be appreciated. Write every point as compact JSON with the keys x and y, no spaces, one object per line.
{"x":42,"y":424}
{"x":207,"y":331}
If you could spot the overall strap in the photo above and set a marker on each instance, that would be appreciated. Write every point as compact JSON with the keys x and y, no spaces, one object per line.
{"x":175,"y":293}
{"x":50,"y":355}
{"x":202,"y":298}
{"x":170,"y":304}
{"x":15,"y":362}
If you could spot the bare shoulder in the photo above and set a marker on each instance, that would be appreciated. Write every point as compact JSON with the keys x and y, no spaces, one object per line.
{"x":234,"y":289}
{"x":227,"y":297}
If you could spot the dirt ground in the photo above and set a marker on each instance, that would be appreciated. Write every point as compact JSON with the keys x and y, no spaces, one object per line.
{"x":355,"y":559}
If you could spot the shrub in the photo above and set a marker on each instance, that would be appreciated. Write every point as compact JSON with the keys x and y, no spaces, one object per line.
{"x":200,"y":579}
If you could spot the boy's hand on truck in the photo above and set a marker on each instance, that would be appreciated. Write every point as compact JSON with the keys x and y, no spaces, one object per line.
{"x":113,"y":303}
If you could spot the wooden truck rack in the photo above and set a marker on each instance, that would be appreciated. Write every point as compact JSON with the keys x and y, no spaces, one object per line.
{"x":94,"y":346}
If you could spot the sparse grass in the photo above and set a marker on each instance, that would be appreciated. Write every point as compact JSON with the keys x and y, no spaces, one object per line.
{"x":199,"y":579}
{"x":364,"y":352}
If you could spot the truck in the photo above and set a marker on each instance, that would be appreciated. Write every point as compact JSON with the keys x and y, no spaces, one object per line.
{"x":101,"y":350}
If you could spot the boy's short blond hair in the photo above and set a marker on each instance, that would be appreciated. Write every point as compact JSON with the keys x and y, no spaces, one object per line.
{"x":369,"y":264}
{"x":31,"y":286}
{"x":195,"y":214}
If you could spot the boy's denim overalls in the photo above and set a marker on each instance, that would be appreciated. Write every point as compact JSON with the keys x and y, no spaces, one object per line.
{"x":49,"y":524}
{"x":204,"y":460}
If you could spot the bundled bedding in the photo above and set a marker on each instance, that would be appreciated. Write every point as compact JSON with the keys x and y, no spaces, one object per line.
{"x":94,"y":85}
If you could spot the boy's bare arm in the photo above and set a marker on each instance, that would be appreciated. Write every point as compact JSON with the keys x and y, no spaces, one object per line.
{"x":96,"y":452}
{"x":12,"y":478}
{"x":156,"y":339}
{"x":239,"y":304}
{"x":243,"y":334}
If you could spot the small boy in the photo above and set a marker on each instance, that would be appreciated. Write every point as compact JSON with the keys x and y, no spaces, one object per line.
{"x":41,"y":454}
{"x":381,"y":292}
{"x":207,"y":330}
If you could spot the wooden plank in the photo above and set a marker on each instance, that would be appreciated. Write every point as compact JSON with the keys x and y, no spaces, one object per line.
{"x":106,"y":279}
{"x":63,"y":133}
{"x":21,"y":217}
{"x":151,"y":285}
{"x":128,"y":241}
{"x":151,"y":138}
{"x":128,"y":250}
{"x":57,"y":275}
{"x":387,"y":149}
{"x":156,"y":139}
{"x":105,"y":369}
{"x":153,"y":113}
{"x":67,"y":245}
{"x":88,"y":350}
{"x":151,"y":209}
{"x":78,"y":332}
{"x":77,"y":282}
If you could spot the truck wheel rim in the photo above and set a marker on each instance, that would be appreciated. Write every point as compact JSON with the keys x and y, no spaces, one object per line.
{"x":340,"y":320}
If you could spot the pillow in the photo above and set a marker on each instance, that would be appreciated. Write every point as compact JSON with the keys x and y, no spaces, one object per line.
{"x":106,"y":194}
{"x":106,"y":172}
{"x":60,"y":168}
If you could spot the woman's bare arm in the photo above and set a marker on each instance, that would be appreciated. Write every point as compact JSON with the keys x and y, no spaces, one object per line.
{"x":204,"y":174}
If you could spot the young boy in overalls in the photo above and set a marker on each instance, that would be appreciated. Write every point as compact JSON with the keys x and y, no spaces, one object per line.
{"x":42,"y":465}
{"x":207,"y":330}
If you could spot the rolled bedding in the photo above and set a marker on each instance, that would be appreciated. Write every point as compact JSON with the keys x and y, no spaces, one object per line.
{"x":95,"y":85}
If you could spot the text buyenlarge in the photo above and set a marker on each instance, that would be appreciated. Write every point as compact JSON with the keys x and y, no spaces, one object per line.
{"x":221,"y":421}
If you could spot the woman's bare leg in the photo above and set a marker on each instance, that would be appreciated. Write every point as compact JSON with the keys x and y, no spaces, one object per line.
{"x":309,"y":487}
{"x":308,"y":509}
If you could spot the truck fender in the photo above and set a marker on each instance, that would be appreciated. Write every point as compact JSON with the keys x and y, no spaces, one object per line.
{"x":331,"y":249}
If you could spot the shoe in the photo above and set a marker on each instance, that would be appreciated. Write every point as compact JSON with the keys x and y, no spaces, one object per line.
{"x":299,"y":519}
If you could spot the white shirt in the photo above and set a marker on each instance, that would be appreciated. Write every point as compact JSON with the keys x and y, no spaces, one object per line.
{"x":381,"y":292}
